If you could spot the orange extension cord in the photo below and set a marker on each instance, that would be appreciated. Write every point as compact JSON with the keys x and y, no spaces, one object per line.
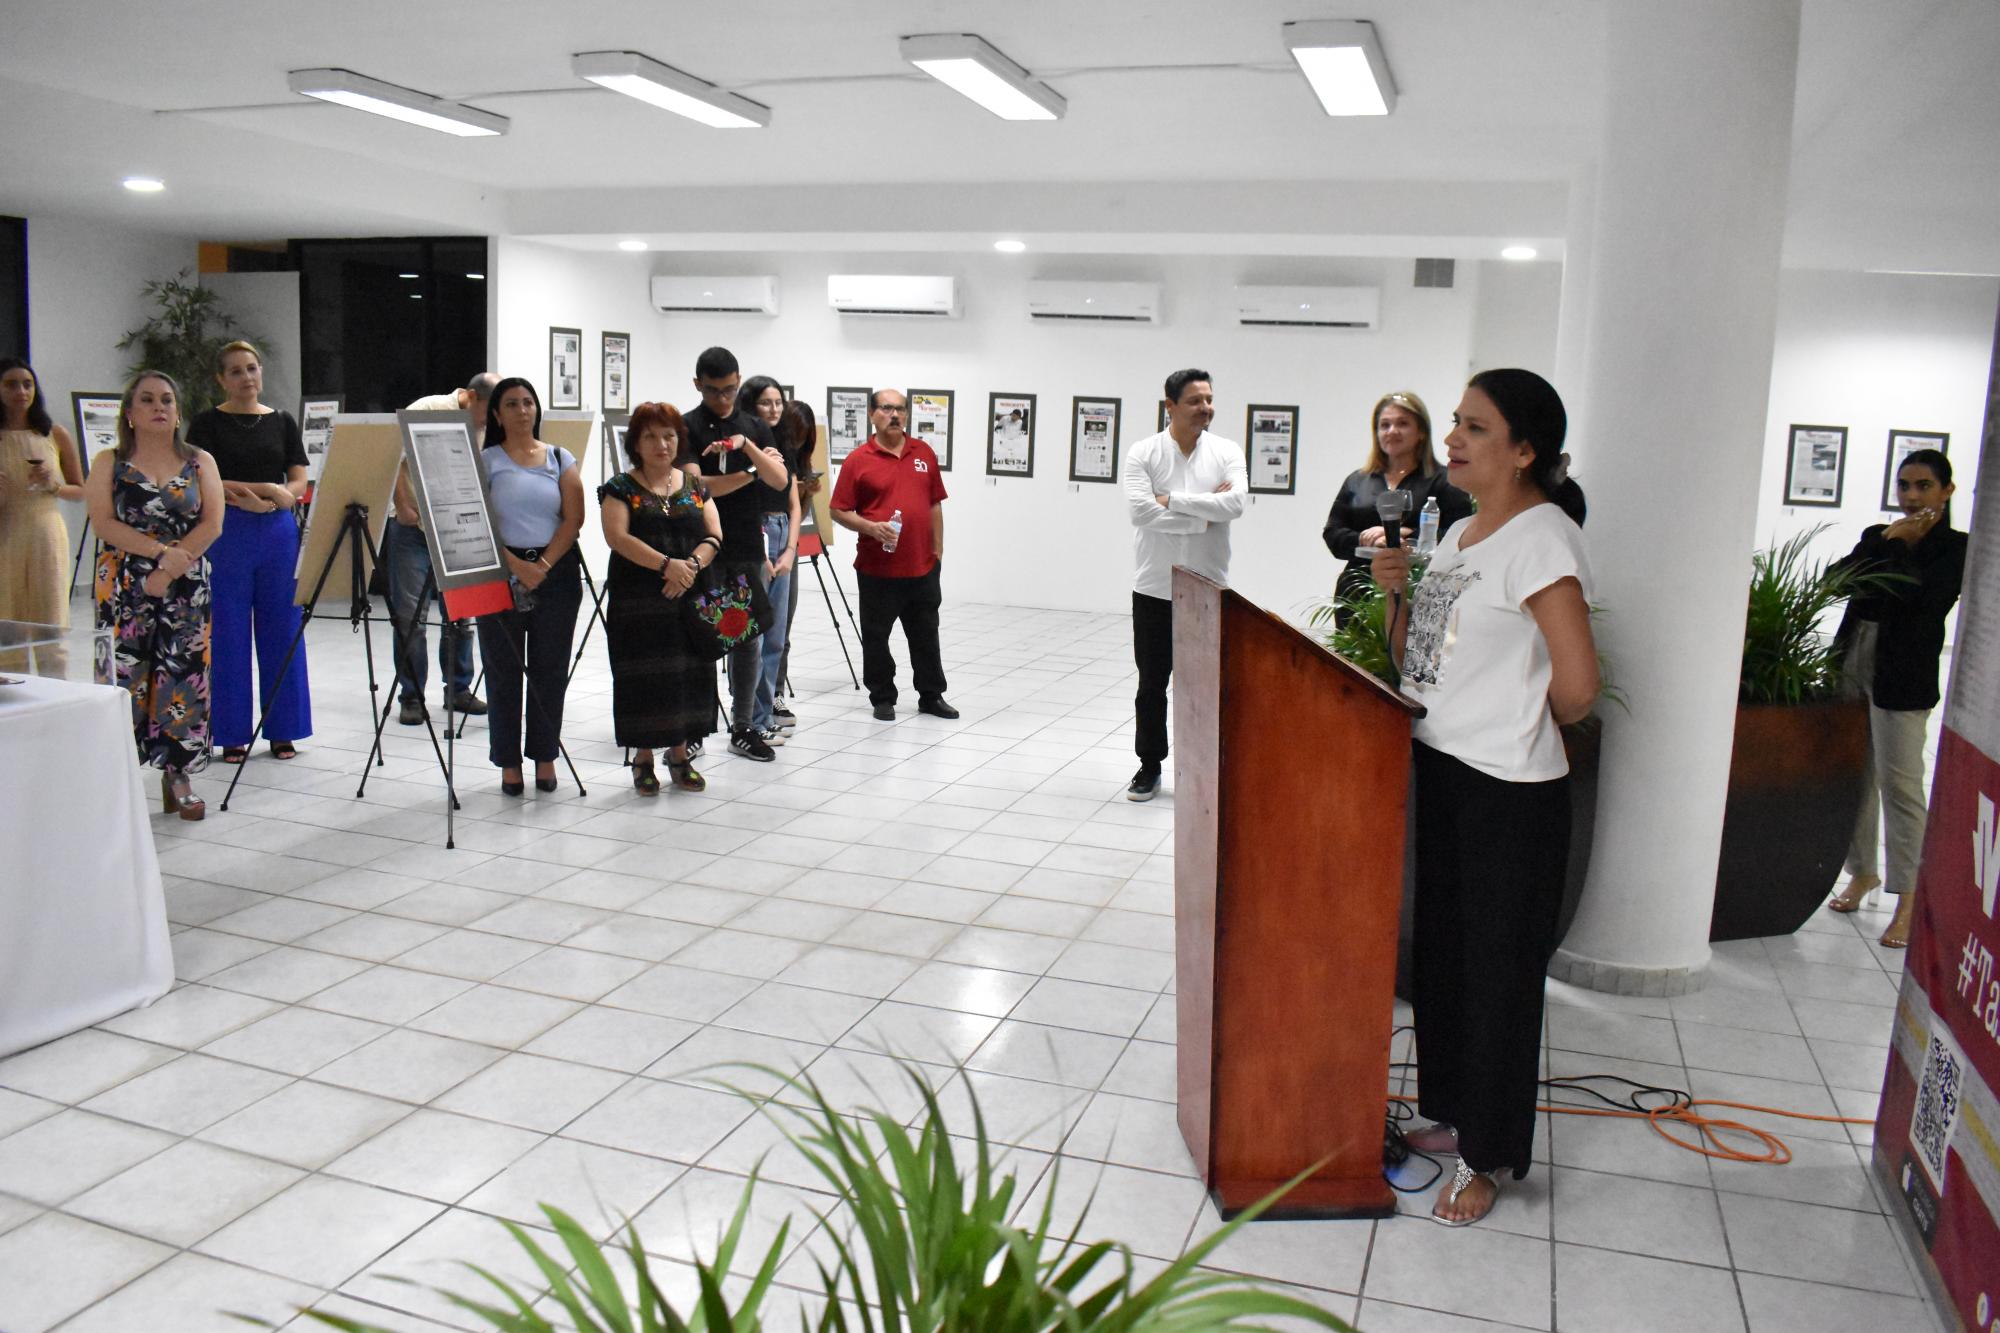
{"x":1707,"y":1127}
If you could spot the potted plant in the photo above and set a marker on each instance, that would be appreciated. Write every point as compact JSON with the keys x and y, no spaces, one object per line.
{"x":184,"y":338}
{"x":1801,"y":748}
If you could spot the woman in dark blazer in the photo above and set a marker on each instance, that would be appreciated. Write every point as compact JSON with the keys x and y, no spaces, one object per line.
{"x":1891,"y":639}
{"x":1400,"y":458}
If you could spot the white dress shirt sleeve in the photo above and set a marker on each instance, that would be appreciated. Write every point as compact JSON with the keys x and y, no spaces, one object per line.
{"x":1218,"y":506}
{"x":1141,"y":500}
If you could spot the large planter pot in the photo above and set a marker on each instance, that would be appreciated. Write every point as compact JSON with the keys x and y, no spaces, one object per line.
{"x":1794,"y":789}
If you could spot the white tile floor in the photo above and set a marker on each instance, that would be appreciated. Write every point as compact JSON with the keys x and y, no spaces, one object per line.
{"x":378,"y":1046}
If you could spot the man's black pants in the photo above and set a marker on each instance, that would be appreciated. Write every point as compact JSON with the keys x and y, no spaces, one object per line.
{"x":915,"y":602}
{"x":1153,"y":650}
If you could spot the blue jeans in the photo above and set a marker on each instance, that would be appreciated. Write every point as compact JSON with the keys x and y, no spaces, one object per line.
{"x":407,"y":562}
{"x":777,"y":531}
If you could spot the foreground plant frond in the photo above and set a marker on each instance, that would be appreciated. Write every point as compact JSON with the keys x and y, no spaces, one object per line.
{"x":914,"y":1239}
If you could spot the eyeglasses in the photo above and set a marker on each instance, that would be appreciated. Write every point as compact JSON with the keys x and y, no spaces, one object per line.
{"x":716,"y":390}
{"x":889,"y":410}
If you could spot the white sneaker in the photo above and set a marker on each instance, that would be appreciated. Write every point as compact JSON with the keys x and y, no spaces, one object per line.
{"x":771,"y":735}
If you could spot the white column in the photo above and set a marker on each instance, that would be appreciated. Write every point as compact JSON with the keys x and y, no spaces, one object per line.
{"x":1573,"y":312}
{"x":1682,"y":304}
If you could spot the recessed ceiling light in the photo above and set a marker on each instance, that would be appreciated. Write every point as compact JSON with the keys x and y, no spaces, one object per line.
{"x":1343,"y":62}
{"x":144,"y":185}
{"x":477,"y":277}
{"x":631,"y":245}
{"x":343,"y":87}
{"x":1010,"y":247}
{"x":1518,"y":252}
{"x":667,"y":88}
{"x":969,"y":65}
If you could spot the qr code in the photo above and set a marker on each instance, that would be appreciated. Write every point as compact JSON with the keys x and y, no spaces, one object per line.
{"x":1936,"y":1115}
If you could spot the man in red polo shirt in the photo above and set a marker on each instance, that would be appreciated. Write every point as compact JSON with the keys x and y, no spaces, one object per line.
{"x":898,"y":572}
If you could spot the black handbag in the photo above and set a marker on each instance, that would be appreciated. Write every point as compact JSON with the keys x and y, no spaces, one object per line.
{"x":723,"y":608}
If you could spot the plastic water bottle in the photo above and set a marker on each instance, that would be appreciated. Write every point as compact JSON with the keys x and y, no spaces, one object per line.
{"x":1427,"y":528}
{"x":895,"y":531}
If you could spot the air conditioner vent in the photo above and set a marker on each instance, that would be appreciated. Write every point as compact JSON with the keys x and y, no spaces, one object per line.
{"x":1435,"y":272}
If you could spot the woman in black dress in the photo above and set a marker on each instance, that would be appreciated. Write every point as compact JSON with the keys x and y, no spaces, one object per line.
{"x":662,"y":532}
{"x":1401,"y":457}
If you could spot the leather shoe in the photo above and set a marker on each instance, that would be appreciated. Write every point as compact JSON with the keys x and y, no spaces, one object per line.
{"x":465,"y":701}
{"x":411,"y":713}
{"x":885,"y":712}
{"x":936,"y":707}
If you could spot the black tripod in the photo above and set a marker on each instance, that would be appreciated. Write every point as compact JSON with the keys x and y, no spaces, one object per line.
{"x":354,"y":536}
{"x":833,"y":615}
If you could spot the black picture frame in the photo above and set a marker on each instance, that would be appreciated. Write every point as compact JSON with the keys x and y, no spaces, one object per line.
{"x":999,"y":405}
{"x":950,"y":422}
{"x":1807,"y":487}
{"x":844,"y":436}
{"x":611,"y":457}
{"x":565,"y":381}
{"x":1077,"y":407}
{"x":1164,"y":406}
{"x":1902,"y":443}
{"x":1257,"y":462}
{"x":621,"y":400}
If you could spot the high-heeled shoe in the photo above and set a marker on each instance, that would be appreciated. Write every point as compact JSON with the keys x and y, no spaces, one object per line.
{"x":545,"y":783}
{"x":1860,"y":888}
{"x":514,"y":788}
{"x":1897,"y":936}
{"x":191,"y":807}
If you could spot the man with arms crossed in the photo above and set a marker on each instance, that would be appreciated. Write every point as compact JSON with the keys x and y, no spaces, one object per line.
{"x":408,"y":564}
{"x":736,"y":451}
{"x":1183,"y":488}
{"x":898,"y":572}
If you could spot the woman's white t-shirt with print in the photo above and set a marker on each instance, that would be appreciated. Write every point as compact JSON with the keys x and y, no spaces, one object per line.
{"x":1475,"y":657}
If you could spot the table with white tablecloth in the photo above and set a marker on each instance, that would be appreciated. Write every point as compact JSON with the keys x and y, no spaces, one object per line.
{"x":83,"y":918}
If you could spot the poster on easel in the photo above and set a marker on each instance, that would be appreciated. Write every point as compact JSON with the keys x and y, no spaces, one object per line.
{"x":316,"y":416}
{"x":1936,"y":1146}
{"x":96,"y":423}
{"x":448,"y":477}
{"x":357,"y":466}
{"x":573,"y":431}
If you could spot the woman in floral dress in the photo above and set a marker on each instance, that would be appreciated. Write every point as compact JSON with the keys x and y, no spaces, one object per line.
{"x":662,"y":533}
{"x":156,"y":502}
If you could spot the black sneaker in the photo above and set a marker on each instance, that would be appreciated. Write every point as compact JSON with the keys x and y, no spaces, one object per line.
{"x":783,"y":717}
{"x":885,"y":712}
{"x":771,"y":736}
{"x":751,"y":746}
{"x":936,"y":707}
{"x":1145,"y":784}
{"x":412,"y":712}
{"x":465,"y":701}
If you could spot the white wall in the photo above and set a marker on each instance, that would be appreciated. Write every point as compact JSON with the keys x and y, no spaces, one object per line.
{"x":1874,"y":352}
{"x":266,"y":308}
{"x":1515,"y":325}
{"x":1043,"y":541}
{"x":83,"y":295}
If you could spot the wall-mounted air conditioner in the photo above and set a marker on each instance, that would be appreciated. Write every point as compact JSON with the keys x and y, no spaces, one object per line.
{"x":1110,"y":302}
{"x":1310,"y":307}
{"x":674,"y":294}
{"x":892,"y":294}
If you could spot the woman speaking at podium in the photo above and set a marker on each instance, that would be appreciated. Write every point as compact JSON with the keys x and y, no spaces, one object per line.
{"x":1495,"y":642}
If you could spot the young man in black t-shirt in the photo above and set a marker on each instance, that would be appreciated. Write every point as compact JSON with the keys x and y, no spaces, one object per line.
{"x":739,"y":458}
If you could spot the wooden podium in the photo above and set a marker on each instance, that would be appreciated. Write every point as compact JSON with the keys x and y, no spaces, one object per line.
{"x":1289,"y":799}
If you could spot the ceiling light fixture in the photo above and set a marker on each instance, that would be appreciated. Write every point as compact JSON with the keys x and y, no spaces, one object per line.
{"x":1518,"y":252}
{"x":967,"y":64}
{"x":144,"y":185}
{"x":343,"y":87}
{"x":667,"y":88}
{"x":407,"y":277}
{"x":1010,"y":247}
{"x":476,"y":277}
{"x":632,"y":246}
{"x":1343,"y":62}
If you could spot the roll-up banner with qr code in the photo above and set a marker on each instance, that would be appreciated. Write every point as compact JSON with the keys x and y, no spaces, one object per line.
{"x":1937,"y":1131}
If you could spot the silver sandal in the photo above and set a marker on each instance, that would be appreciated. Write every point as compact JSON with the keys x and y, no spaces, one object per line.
{"x":1461,"y":1178}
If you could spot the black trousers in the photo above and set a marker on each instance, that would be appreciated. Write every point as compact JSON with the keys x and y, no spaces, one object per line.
{"x":915,"y":602}
{"x":1153,"y":650}
{"x":1491,"y":856}
{"x":540,"y":638}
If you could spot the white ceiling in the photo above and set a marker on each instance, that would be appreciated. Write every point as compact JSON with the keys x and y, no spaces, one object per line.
{"x":1896,"y":161}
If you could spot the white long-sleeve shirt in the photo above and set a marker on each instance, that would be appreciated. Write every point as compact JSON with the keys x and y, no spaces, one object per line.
{"x":1193,"y":529}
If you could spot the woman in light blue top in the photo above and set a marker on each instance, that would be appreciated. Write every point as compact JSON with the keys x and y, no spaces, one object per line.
{"x":538,"y":498}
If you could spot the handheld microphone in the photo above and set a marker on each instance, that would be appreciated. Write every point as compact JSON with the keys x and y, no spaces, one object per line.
{"x":1390,"y":507}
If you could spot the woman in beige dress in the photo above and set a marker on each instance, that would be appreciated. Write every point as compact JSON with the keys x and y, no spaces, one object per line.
{"x":38,"y":466}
